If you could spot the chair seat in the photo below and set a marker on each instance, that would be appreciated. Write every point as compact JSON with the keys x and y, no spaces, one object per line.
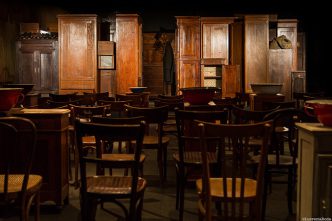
{"x":113,"y":185}
{"x":216,"y":185}
{"x":153,"y":140}
{"x":89,"y":140}
{"x":15,"y":183}
{"x":121,"y":157}
{"x":281,"y":129}
{"x":191,"y":157}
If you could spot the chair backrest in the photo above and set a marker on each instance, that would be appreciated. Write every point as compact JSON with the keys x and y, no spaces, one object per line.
{"x":109,"y":133}
{"x":170,"y":97}
{"x":63,"y":97}
{"x":134,"y":99}
{"x":61,"y":104}
{"x":269,"y":105}
{"x":90,"y":99}
{"x":152,"y":115}
{"x":234,"y":170}
{"x":244,"y":116}
{"x":188,"y":133}
{"x":285,"y":119}
{"x":17,"y":144}
{"x":87,"y":112}
{"x":117,"y":108}
{"x":172,"y":104}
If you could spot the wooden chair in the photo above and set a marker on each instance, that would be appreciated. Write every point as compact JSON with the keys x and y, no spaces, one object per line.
{"x":19,"y":188}
{"x":269,"y":105}
{"x":280,"y":161}
{"x":108,"y":152}
{"x":238,"y":196}
{"x":172,"y":104}
{"x":63,"y":97}
{"x":90,"y":99}
{"x":154,"y":138}
{"x":134,"y":99}
{"x":84,"y":113}
{"x":117,"y":108}
{"x":100,"y":188}
{"x":188,"y":158}
{"x":170,"y":97}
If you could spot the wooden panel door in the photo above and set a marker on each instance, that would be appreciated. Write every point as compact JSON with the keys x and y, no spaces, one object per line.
{"x":256,"y":45}
{"x":280,"y":67}
{"x":288,"y":27}
{"x":215,"y":37}
{"x":188,"y":51}
{"x":152,"y":64}
{"x":231,"y":80}
{"x":37,"y":64}
{"x":190,"y":74}
{"x":128,"y":52}
{"x":77,"y":53}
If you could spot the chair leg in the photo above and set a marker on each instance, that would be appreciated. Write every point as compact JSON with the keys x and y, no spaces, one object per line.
{"x":165,"y":163}
{"x":264,"y":201}
{"x":181,"y":197}
{"x":160,"y":165}
{"x":290,"y":190}
{"x":177,"y":187}
{"x":37,"y":206}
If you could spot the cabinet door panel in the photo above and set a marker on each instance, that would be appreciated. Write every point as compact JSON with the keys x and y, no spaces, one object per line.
{"x":190,"y":74}
{"x":78,"y":52}
{"x":37,"y":64}
{"x":215,"y":41}
{"x":189,"y":38}
{"x":231,"y":80}
{"x":256,"y":50}
{"x":27,"y":68}
{"x":128,"y":35}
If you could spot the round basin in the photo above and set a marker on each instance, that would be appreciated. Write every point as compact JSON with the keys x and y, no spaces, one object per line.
{"x":10,"y":97}
{"x":322,"y":110}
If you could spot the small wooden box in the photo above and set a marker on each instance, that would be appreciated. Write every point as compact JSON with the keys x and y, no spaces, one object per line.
{"x":29,"y":27}
{"x":105,"y":48}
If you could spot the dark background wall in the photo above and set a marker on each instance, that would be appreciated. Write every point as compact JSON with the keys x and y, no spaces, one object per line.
{"x":314,"y":20}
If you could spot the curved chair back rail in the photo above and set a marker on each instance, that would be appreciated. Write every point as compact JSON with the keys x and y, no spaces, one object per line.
{"x":17,"y":185}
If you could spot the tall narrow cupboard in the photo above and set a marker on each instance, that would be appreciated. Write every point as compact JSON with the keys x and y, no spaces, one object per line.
{"x":129,"y":52}
{"x":77,"y":52}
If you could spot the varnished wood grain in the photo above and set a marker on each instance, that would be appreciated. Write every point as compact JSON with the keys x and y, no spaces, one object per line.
{"x":77,"y":52}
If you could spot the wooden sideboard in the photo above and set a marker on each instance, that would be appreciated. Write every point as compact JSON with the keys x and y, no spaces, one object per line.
{"x":314,"y":177}
{"x":51,"y":159}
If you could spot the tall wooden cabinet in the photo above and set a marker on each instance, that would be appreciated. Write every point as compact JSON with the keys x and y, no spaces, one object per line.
{"x":37,"y":63}
{"x":288,"y":27}
{"x":256,"y":49}
{"x":77,"y":52}
{"x":188,"y":51}
{"x":128,"y":52}
{"x":280,"y":66}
